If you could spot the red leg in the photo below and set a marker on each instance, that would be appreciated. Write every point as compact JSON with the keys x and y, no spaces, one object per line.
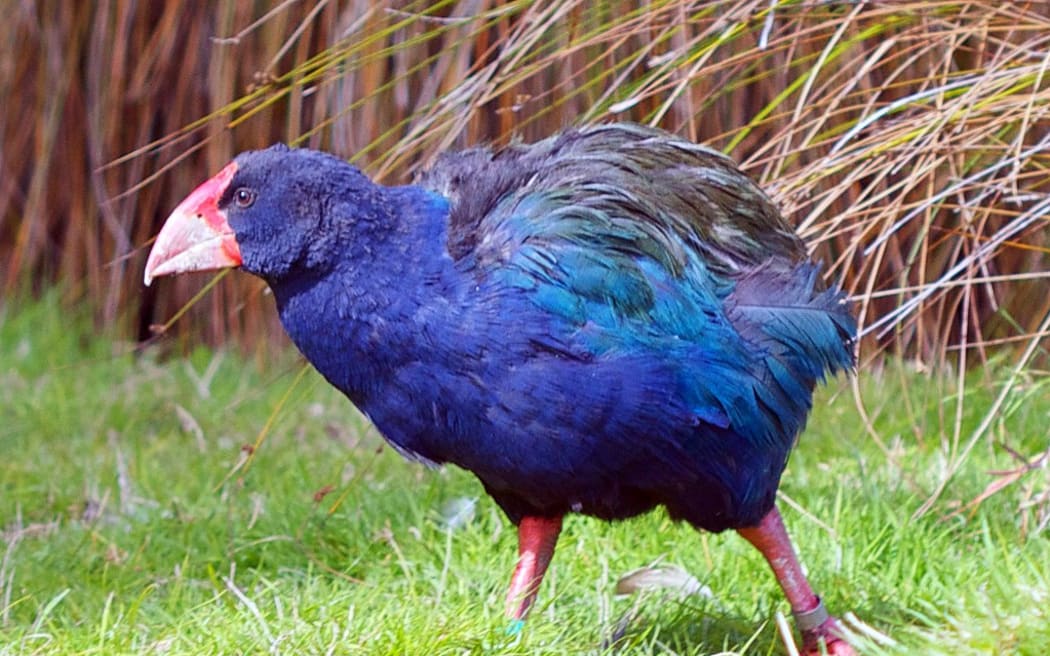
{"x":771,"y":538}
{"x":537,"y":537}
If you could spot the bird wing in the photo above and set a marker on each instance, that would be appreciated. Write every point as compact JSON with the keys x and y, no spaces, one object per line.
{"x":684,"y":195}
{"x":633,"y":241}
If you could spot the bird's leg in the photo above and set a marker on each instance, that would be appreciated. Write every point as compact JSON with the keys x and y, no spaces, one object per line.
{"x":813,"y":621}
{"x":537,"y":537}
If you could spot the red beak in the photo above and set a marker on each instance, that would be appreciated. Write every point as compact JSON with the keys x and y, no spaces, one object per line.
{"x":196,"y":237}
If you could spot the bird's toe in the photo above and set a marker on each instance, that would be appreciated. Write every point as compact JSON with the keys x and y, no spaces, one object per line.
{"x":831,"y":636}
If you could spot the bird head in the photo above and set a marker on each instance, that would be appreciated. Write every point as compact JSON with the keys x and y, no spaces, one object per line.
{"x":272,"y":212}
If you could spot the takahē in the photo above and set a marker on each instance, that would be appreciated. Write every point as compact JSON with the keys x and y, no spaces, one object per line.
{"x":602,"y":322}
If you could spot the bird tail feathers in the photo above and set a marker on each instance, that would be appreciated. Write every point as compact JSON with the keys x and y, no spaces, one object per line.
{"x":801,"y":332}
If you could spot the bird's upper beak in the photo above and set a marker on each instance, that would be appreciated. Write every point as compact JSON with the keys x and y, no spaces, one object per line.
{"x":197,"y":236}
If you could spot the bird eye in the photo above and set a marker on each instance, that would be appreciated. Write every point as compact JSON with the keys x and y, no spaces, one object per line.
{"x":244,"y":197}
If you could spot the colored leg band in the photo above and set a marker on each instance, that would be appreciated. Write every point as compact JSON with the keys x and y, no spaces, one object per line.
{"x":812,"y":619}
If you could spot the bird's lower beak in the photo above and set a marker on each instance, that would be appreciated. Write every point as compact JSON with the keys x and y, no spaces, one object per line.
{"x":197,"y":236}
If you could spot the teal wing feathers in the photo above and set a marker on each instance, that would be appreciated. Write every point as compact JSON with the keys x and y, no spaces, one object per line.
{"x":634,"y":241}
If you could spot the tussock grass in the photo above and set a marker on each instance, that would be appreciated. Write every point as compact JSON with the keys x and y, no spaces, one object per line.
{"x":907,"y":139}
{"x":125,"y":532}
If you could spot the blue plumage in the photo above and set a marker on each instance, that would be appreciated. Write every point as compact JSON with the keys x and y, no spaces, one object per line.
{"x":594,"y":347}
{"x":602,"y":322}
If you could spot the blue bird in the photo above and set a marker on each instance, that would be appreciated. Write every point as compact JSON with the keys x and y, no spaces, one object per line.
{"x":603,"y":322}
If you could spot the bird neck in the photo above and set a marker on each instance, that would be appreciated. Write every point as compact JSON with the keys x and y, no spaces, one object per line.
{"x":357,"y":321}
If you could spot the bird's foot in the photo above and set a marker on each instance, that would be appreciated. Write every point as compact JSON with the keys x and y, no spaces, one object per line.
{"x":831,"y":635}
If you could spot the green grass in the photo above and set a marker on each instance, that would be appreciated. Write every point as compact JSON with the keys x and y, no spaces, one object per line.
{"x":126,"y":534}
